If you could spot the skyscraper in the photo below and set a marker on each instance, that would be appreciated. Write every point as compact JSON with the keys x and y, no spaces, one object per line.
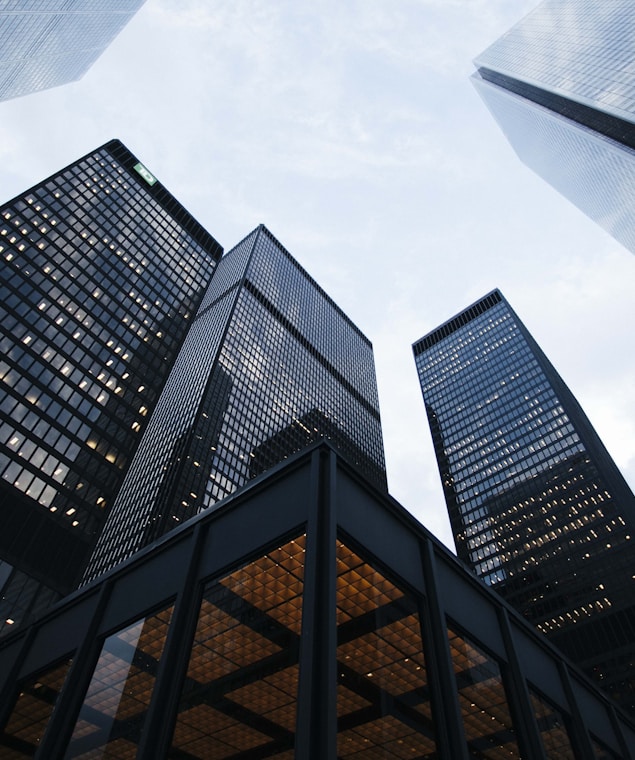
{"x":538,"y":508}
{"x":561,"y":85}
{"x":269,"y":365}
{"x":45,"y":43}
{"x":101,"y":271}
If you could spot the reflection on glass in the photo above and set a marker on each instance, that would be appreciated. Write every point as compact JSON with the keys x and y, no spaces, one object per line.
{"x":112,"y":716}
{"x":31,"y":713}
{"x":383,"y":703}
{"x":553,"y":731}
{"x":486,"y":718}
{"x":241,"y":687}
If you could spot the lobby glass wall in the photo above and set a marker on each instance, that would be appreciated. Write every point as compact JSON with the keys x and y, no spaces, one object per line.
{"x":119,"y":693}
{"x":553,"y":730}
{"x":383,"y":700}
{"x":240,"y":689}
{"x":486,"y":715}
{"x":32,"y":711}
{"x":282,"y":614}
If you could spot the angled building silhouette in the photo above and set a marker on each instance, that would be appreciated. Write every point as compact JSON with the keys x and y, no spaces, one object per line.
{"x":270,"y":364}
{"x":102,"y":271}
{"x":46,"y":43}
{"x":561,"y":85}
{"x":538,"y":508}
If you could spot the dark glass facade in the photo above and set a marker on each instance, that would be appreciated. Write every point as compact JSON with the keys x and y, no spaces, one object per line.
{"x":309,"y":617}
{"x":270,"y":364}
{"x":102,"y":272}
{"x":46,"y":43}
{"x":560,"y":86}
{"x":538,"y":509}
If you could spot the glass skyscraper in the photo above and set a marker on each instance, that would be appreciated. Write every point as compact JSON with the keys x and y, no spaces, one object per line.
{"x":561,"y":85}
{"x":269,"y":365}
{"x":45,"y":43}
{"x":538,"y":508}
{"x":102,"y":271}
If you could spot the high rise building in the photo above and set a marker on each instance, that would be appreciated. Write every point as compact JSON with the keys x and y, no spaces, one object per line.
{"x":269,"y":365}
{"x":561,"y":85}
{"x":45,"y":43}
{"x":310,"y":618}
{"x":538,"y":508}
{"x":102,"y":270}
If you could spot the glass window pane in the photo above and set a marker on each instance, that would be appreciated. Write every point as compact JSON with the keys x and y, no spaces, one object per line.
{"x":486,"y":718}
{"x":115,"y":706}
{"x":32,"y":711}
{"x":383,"y":703}
{"x":553,"y":730}
{"x":240,"y":692}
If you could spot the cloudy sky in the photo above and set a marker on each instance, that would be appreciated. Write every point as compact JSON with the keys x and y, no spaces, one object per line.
{"x":350,"y":128}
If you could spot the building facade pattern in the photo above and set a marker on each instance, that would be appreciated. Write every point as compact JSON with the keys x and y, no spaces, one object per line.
{"x":102,"y":272}
{"x":46,"y":43}
{"x":538,"y":509}
{"x":579,"y":49}
{"x":560,"y":85}
{"x":269,"y":365}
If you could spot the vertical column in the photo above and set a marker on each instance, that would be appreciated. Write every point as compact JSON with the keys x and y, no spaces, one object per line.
{"x":449,"y":723}
{"x":518,"y":693}
{"x":316,"y":736}
{"x":580,"y":733}
{"x":628,"y":752}
{"x":8,"y":690}
{"x":60,"y":727}
{"x":159,"y":724}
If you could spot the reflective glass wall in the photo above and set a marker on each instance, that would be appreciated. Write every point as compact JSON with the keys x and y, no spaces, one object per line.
{"x":560,"y":85}
{"x":310,"y":634}
{"x":46,"y":43}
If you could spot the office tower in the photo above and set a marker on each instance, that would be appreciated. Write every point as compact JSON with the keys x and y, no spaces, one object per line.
{"x":45,"y":43}
{"x":561,"y":85}
{"x":269,"y":365}
{"x":101,"y":271}
{"x":311,"y":618}
{"x":538,"y":508}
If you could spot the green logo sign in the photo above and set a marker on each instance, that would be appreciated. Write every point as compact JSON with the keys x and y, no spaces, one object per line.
{"x":149,"y":178}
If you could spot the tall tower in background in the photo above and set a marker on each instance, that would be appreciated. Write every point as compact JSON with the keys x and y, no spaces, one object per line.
{"x":538,"y":508}
{"x":45,"y":43}
{"x":269,"y":365}
{"x":102,"y":270}
{"x":561,"y":85}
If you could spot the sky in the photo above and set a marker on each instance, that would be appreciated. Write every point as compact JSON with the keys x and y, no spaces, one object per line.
{"x":351,"y":130}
